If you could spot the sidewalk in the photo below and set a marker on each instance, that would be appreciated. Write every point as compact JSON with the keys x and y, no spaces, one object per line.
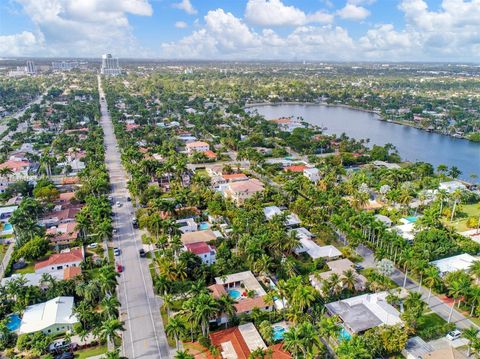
{"x":6,"y":259}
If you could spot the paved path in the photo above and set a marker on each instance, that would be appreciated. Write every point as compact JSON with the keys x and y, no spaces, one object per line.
{"x":6,"y":258}
{"x":144,"y":336}
{"x":435,"y":303}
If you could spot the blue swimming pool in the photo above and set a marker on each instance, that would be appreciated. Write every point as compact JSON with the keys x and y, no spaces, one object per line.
{"x":411,"y":219}
{"x":7,"y":227}
{"x":234,"y":294}
{"x":278,"y":332}
{"x":344,"y":334}
{"x":14,"y":322}
{"x":203,"y":226}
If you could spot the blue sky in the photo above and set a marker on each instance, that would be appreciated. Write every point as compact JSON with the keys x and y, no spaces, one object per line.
{"x":322,"y":30}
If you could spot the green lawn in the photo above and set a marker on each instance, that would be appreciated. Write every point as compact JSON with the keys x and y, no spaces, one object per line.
{"x":30,"y":268}
{"x":111,"y":257}
{"x":432,"y":326}
{"x":470,"y":210}
{"x":91,"y":352}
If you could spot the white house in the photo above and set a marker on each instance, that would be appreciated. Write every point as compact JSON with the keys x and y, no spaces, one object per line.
{"x":197,"y":146}
{"x":452,"y":186}
{"x":452,"y":264}
{"x":187,"y":225}
{"x":291,"y":220}
{"x":60,"y":261}
{"x":203,"y":250}
{"x":313,"y":174}
{"x":52,"y":317}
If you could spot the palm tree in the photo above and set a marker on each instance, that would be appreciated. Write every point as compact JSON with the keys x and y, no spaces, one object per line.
{"x":293,"y":342}
{"x":227,"y":307}
{"x":175,"y":327}
{"x":456,"y":196}
{"x":431,"y":279}
{"x":110,"y":305}
{"x":110,"y":330}
{"x":114,"y":355}
{"x":183,"y":354}
{"x":475,"y":271}
{"x":349,"y":279}
{"x":107,"y":278}
{"x":471,"y":335}
{"x":303,"y":297}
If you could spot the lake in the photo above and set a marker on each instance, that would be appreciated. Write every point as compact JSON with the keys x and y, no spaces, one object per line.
{"x":413,"y":144}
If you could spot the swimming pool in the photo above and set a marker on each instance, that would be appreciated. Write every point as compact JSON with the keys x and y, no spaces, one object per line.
{"x":278,"y":332}
{"x":234,"y":294}
{"x":14,"y":322}
{"x":411,"y":219}
{"x":7,"y":227}
{"x":203,"y":226}
{"x":344,"y":334}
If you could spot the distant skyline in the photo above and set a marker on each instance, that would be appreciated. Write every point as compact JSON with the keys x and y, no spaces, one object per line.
{"x":312,"y":30}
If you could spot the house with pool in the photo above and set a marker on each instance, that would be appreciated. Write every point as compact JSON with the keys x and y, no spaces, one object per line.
{"x":244,"y":289}
{"x":364,"y":312}
{"x":5,"y":214}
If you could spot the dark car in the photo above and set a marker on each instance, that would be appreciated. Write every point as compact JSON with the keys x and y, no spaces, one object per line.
{"x":129,"y":199}
{"x":142,"y":252}
{"x":119,"y":268}
{"x":358,"y":267}
{"x":135,"y":223}
{"x":66,"y":355}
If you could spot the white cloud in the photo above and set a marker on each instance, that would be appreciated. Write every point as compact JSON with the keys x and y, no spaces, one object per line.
{"x":353,"y":12}
{"x":181,"y":25}
{"x":80,"y":28}
{"x":275,"y":13}
{"x":24,"y":43}
{"x":186,"y":6}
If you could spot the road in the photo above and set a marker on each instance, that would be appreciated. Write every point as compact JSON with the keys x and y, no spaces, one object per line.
{"x":144,"y":336}
{"x":435,"y":303}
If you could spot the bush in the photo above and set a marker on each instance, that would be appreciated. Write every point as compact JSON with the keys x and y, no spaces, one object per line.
{"x":33,"y":249}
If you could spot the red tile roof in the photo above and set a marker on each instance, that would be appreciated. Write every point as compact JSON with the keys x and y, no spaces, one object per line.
{"x":297,"y":168}
{"x":235,"y":176}
{"x":278,"y":352}
{"x":217,"y":290}
{"x":75,"y":255}
{"x":70,"y":180}
{"x":15,"y":166}
{"x":132,"y":126}
{"x":66,"y":196}
{"x":247,"y":304}
{"x":71,"y":272}
{"x":210,"y":154}
{"x":234,"y":336}
{"x":198,"y":248}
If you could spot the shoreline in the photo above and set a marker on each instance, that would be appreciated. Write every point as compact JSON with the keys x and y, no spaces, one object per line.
{"x":378,"y":117}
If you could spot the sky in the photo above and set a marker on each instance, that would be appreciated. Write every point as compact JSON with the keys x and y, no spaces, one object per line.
{"x":310,"y":30}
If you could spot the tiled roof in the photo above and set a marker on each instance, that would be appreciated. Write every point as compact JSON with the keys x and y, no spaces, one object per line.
{"x":15,"y":165}
{"x":233,"y":336}
{"x":217,"y":290}
{"x":247,"y":304}
{"x":198,"y":248}
{"x":235,"y":176}
{"x":71,"y":272}
{"x":210,"y":154}
{"x":196,"y":144}
{"x":75,"y":255}
{"x":296,"y":168}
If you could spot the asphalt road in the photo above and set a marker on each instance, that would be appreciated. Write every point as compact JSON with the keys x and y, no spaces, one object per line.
{"x":434,"y":303}
{"x":144,"y":336}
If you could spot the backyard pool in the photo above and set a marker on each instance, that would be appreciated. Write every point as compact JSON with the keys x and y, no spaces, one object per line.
{"x":203,"y":226}
{"x":344,"y":334}
{"x":14,"y":322}
{"x":278,"y":332}
{"x":411,"y":219}
{"x":234,"y":294}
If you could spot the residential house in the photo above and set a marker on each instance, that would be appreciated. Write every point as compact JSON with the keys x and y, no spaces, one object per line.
{"x":313,"y":174}
{"x":338,"y":267}
{"x":364,"y":312}
{"x":239,"y":192}
{"x":204,"y":236}
{"x":187,"y":225}
{"x":315,"y":251}
{"x":52,"y":317}
{"x":63,"y":235}
{"x":451,"y":264}
{"x":197,"y":146}
{"x":203,"y":250}
{"x":238,"y":342}
{"x":291,"y":220}
{"x":452,"y":186}
{"x":60,"y":261}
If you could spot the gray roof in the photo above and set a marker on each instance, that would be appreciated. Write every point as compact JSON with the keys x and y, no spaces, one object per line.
{"x":357,"y":317}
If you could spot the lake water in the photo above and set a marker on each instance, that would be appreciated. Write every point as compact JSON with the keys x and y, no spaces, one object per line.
{"x":412,"y":144}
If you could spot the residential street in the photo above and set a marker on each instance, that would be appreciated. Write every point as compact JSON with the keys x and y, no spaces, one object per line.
{"x":144,"y":336}
{"x":435,"y":303}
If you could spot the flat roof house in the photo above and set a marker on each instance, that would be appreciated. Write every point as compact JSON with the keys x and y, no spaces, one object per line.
{"x":315,"y":251}
{"x":291,"y":220}
{"x":198,"y":236}
{"x":197,"y":146}
{"x":52,"y":317}
{"x":452,"y":264}
{"x":339,"y":267}
{"x":364,"y":312}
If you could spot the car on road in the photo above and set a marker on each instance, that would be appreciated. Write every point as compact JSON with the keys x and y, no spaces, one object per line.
{"x":118,"y":204}
{"x":142,"y":253}
{"x":135,"y":223}
{"x":93,"y":245}
{"x":116,"y":252}
{"x":358,"y":267}
{"x":454,"y":334}
{"x":129,"y":199}
{"x":119,"y":268}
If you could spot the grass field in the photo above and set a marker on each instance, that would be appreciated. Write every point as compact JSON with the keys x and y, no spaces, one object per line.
{"x":91,"y":352}
{"x":432,"y":326}
{"x":470,"y":210}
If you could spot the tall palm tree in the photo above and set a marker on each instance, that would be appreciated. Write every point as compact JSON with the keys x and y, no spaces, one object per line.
{"x":175,"y":327}
{"x":456,"y":196}
{"x":431,"y":279}
{"x":110,"y":330}
{"x":227,"y":307}
{"x":349,"y":279}
{"x":183,"y":354}
{"x":110,"y":305}
{"x":471,"y":335}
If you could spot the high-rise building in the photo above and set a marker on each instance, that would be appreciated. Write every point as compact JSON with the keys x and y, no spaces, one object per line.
{"x":31,"y":69}
{"x":110,"y":66}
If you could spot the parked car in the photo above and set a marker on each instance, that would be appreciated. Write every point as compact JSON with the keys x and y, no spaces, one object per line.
{"x":119,"y":204}
{"x":119,"y":268}
{"x":129,"y":199}
{"x":135,"y":223}
{"x":116,"y":252}
{"x":93,"y":245}
{"x":61,"y":345}
{"x":358,"y":267}
{"x":454,"y":334}
{"x":142,"y":252}
{"x":66,"y":355}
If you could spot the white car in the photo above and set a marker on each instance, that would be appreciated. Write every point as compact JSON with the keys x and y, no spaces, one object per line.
{"x":93,"y":245}
{"x":119,"y":204}
{"x":454,"y":334}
